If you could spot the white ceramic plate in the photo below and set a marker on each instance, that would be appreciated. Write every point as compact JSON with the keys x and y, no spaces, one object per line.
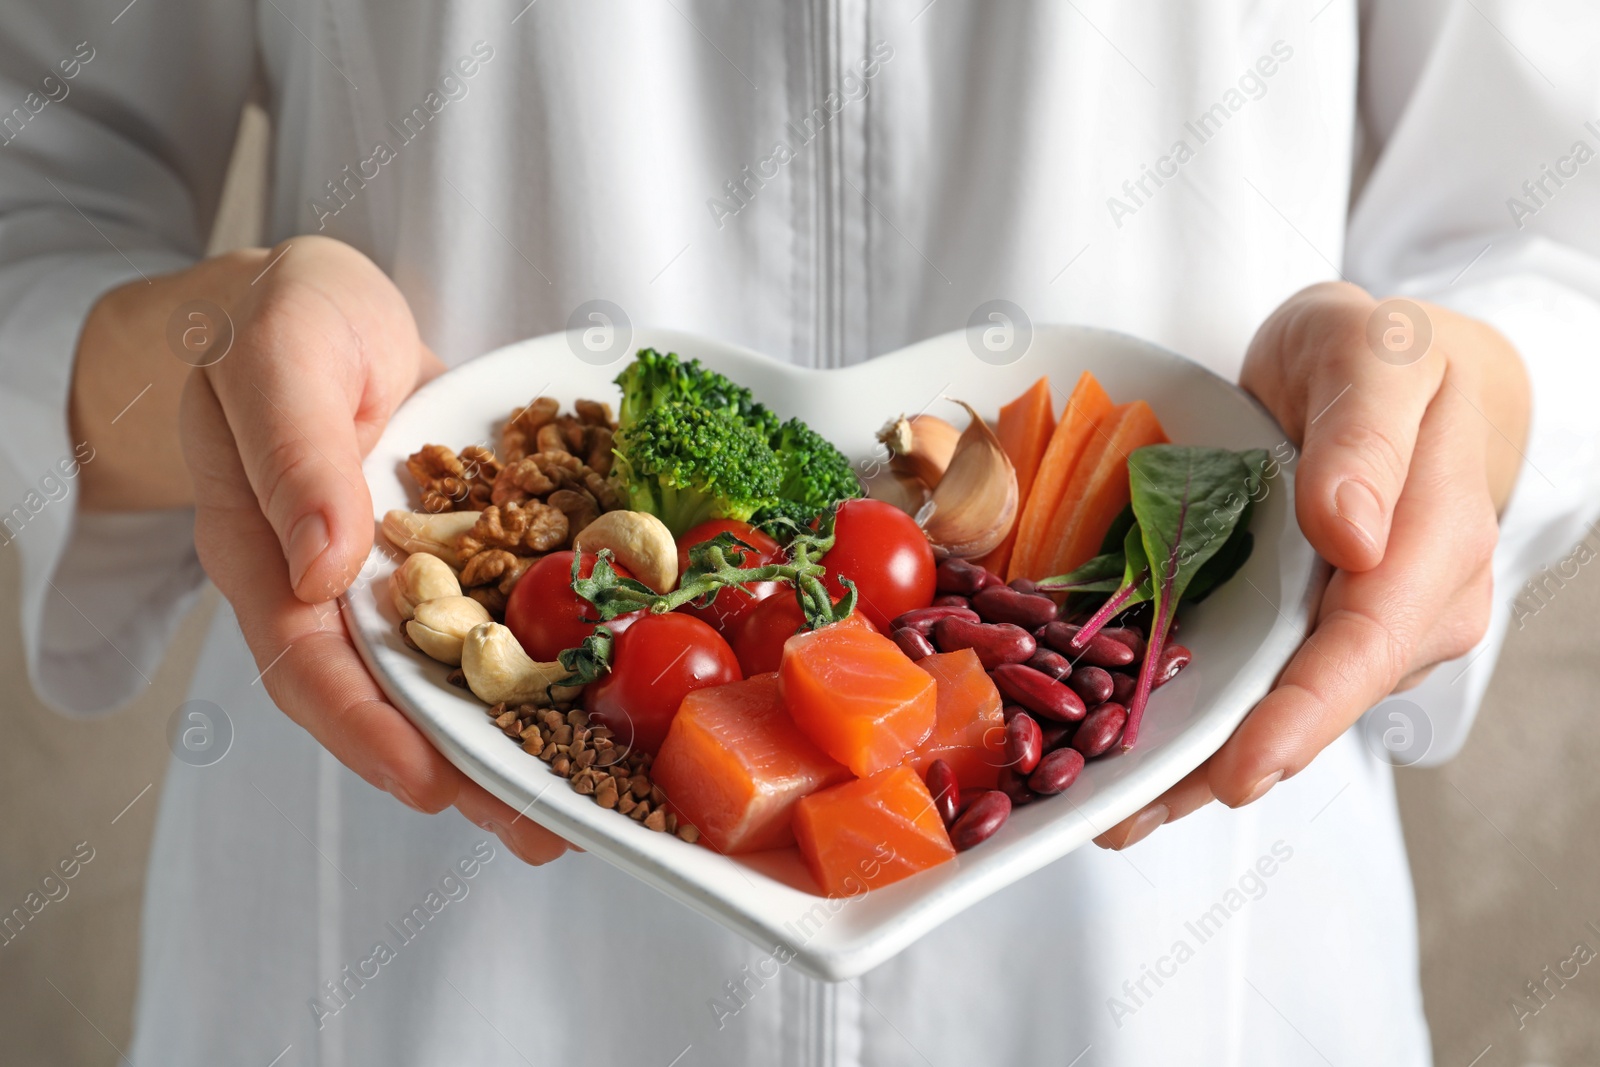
{"x":1241,"y":637}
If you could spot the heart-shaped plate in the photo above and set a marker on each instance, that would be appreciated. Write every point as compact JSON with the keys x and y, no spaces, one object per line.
{"x":1241,"y":637}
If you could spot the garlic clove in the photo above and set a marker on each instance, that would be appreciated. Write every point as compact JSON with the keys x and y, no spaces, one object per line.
{"x":499,"y":671}
{"x":439,"y":627}
{"x":975,"y":504}
{"x":903,"y":491}
{"x":418,"y":531}
{"x":920,"y":446}
{"x":421,"y":577}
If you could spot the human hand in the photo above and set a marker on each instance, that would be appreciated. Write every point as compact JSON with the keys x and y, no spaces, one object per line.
{"x":1404,"y":467}
{"x":324,"y":349}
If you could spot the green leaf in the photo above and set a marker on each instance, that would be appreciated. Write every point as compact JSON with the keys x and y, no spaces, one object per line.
{"x":1102,"y":574}
{"x":1222,"y":566}
{"x":1188,"y":501}
{"x":1105,"y":573}
{"x":1118,"y":531}
{"x":1133,"y":589}
{"x":1136,"y":567}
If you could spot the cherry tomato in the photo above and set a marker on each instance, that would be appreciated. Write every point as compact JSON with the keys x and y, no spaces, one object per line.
{"x":759,"y":639}
{"x":731,"y":606}
{"x":883,"y":551}
{"x":656,"y":662}
{"x":543,"y":612}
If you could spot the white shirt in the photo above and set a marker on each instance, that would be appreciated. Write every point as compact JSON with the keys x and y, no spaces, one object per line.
{"x":995,"y":150}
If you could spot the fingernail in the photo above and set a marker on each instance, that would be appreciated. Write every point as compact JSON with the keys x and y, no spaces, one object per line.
{"x":1146,"y":824}
{"x":1261,"y":788}
{"x":509,"y":839}
{"x":396,"y":790}
{"x":1358,"y":505}
{"x":307,"y":541}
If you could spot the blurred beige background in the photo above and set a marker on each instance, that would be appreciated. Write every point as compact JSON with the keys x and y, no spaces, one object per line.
{"x":1502,"y":839}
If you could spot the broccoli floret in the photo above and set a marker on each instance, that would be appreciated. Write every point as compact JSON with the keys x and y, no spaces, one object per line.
{"x":686,"y":463}
{"x":784,"y":473}
{"x":654,"y":378}
{"x":816,"y":476}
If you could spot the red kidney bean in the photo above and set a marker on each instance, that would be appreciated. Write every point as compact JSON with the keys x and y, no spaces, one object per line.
{"x":958,"y":576}
{"x":1015,"y":786}
{"x":1024,"y":585}
{"x":1122,"y":687}
{"x":1011,"y":711}
{"x":1128,"y":636}
{"x":1100,"y":730}
{"x":1093,"y":684}
{"x":922,"y":620}
{"x":912,"y":643}
{"x":1037,"y":692}
{"x":1001,"y":604}
{"x":951,"y":600}
{"x":985,"y":815}
{"x":1052,"y":664}
{"x":1056,"y":771}
{"x":1055,"y":734}
{"x":995,"y":643}
{"x":1174,"y":658}
{"x":944,"y":788}
{"x":1101,"y":651}
{"x":1024,"y":743}
{"x":1057,"y":635}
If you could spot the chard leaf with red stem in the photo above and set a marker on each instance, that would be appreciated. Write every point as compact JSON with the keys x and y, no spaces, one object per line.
{"x":1188,"y":501}
{"x":1135,"y":588}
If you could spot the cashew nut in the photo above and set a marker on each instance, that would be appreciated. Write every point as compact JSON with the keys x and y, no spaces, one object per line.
{"x":421,"y":577}
{"x":440,"y":626}
{"x":499,"y":671}
{"x":640,"y":541}
{"x":417,"y":531}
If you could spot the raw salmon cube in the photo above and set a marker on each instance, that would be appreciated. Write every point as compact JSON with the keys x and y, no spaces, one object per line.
{"x":734,"y":765}
{"x":969,"y":731}
{"x":855,"y":694}
{"x":870,"y":832}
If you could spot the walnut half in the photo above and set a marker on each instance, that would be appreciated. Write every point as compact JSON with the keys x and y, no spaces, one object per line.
{"x":520,"y":529}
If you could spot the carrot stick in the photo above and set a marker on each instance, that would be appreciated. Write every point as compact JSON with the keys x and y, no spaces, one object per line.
{"x":1024,"y":430}
{"x":1098,"y":490}
{"x":1032,"y":552}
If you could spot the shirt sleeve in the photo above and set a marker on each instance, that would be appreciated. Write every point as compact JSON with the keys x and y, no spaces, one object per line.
{"x":115,"y":130}
{"x":1484,"y":197}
